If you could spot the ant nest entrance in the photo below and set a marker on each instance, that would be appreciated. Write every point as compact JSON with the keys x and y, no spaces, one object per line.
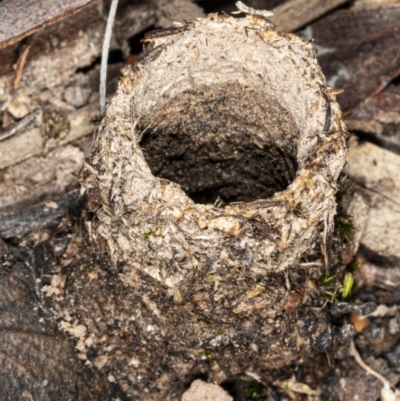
{"x":228,"y":112}
{"x":227,"y":141}
{"x":223,"y":111}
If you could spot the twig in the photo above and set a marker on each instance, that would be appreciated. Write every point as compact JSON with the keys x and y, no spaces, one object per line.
{"x":19,"y":126}
{"x":104,"y":55}
{"x":21,"y":62}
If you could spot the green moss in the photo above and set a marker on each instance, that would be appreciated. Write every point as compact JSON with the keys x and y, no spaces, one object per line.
{"x":344,"y":223}
{"x":54,"y":123}
{"x":345,"y":226}
{"x":341,"y":194}
{"x":353,"y":266}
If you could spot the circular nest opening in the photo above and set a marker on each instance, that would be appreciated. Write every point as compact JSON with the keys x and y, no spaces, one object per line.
{"x":228,"y":141}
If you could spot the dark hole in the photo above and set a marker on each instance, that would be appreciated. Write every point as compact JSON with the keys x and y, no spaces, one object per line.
{"x":244,"y":390}
{"x":396,"y":81}
{"x":196,"y":376}
{"x":224,"y":142}
{"x":135,"y":43}
{"x":115,"y":57}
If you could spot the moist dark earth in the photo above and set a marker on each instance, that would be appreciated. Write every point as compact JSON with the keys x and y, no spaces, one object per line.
{"x":40,"y":362}
{"x":211,"y":147}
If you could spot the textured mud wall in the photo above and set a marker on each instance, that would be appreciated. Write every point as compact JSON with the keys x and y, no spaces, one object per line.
{"x":212,"y":184}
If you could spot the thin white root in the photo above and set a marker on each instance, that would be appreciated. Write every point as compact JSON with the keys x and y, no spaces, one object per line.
{"x":387,"y":392}
{"x":104,"y":55}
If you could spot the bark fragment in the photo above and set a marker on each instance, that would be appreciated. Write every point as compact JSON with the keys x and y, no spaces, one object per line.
{"x":352,"y":45}
{"x":375,"y":171}
{"x":378,"y":119}
{"x":294,"y":14}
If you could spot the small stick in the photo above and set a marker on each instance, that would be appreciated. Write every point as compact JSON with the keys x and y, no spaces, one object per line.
{"x":327,"y":242}
{"x":104,"y":55}
{"x":21,"y":62}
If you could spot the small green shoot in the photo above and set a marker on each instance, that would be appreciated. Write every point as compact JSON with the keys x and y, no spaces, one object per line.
{"x":327,"y":280}
{"x":220,"y":332}
{"x":205,"y":353}
{"x":152,"y":233}
{"x":207,"y":322}
{"x":284,"y":388}
{"x":160,"y":266}
{"x":255,"y":390}
{"x":210,"y":277}
{"x":348,"y":283}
